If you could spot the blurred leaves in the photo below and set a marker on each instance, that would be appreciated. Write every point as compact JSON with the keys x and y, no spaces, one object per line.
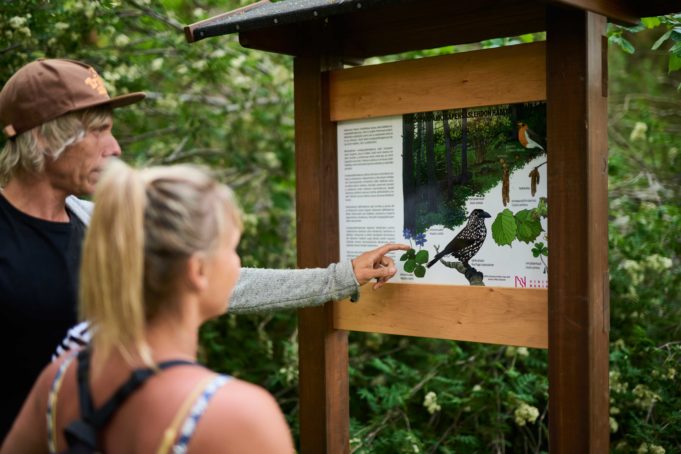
{"x":218,"y":104}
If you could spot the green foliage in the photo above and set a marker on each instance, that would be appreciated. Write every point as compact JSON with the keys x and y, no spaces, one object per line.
{"x":540,"y":249}
{"x":528,"y":224}
{"x":504,"y":228}
{"x":523,"y":226}
{"x":672,"y":35}
{"x":491,"y":144}
{"x":213,"y":103}
{"x":218,"y":104}
{"x":414,"y":261}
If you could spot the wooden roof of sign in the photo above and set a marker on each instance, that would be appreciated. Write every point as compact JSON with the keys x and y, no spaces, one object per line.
{"x":366,"y":28}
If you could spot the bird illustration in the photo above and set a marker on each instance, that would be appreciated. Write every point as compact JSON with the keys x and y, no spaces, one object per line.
{"x":468,"y":241}
{"x":527,"y":137}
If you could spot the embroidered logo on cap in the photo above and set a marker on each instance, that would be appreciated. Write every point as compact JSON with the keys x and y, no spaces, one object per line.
{"x":96,"y":83}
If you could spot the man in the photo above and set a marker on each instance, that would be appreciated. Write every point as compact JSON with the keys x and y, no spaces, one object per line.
{"x":58,"y":119}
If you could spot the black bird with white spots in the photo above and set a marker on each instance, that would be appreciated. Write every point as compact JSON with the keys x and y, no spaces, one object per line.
{"x":468,"y":241}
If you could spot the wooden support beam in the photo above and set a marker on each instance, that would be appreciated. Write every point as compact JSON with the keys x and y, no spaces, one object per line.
{"x":578,"y":239}
{"x":504,"y":75}
{"x":323,"y":350}
{"x":496,"y":315}
{"x":622,"y":11}
{"x":401,"y":27}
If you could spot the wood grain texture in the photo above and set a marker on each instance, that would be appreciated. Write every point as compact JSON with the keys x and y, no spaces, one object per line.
{"x":481,"y":78}
{"x":624,"y":11}
{"x":495,"y":315}
{"x":323,"y":350}
{"x":425,"y":24}
{"x":401,"y":27}
{"x":577,"y":220}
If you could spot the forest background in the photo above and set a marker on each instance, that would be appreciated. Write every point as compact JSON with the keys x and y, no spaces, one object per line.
{"x":216,"y":103}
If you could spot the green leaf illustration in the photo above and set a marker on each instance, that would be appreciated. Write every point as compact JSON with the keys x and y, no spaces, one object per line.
{"x":528,"y":225}
{"x":420,"y":271}
{"x":540,"y":249}
{"x":408,"y":255}
{"x":409,"y":265}
{"x":504,"y":228}
{"x":421,"y":257}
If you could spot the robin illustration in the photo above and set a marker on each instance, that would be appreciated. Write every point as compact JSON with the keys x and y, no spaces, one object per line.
{"x":468,"y":241}
{"x":528,"y":138}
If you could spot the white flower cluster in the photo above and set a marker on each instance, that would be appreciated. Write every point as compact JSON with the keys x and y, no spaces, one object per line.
{"x":121,"y":40}
{"x":613,"y":425}
{"x":645,"y":397}
{"x":525,"y":413}
{"x":616,"y":383}
{"x":290,"y":373}
{"x":671,"y":374}
{"x":87,"y":7}
{"x":430,"y":402}
{"x":657,"y":262}
{"x":511,"y":351}
{"x":19,"y":25}
{"x":639,"y":131}
{"x":646,"y":448}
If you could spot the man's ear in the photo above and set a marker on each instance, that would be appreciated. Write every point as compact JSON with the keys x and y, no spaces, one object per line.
{"x":196,"y":272}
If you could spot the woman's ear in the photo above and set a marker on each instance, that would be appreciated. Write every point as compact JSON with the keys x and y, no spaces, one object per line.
{"x":197,"y":277}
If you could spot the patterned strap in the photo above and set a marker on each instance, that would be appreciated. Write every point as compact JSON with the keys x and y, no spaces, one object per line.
{"x":77,"y":337}
{"x":52,"y":403}
{"x":196,"y":412}
{"x":170,"y":433}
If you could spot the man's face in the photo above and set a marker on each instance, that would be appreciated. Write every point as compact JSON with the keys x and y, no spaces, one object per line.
{"x":78,"y":168}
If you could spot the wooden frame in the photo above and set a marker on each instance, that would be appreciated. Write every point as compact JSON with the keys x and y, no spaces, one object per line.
{"x":472,"y":79}
{"x":578,"y":222}
{"x":570,"y":72}
{"x":323,"y":351}
{"x":504,"y":75}
{"x":495,"y":315}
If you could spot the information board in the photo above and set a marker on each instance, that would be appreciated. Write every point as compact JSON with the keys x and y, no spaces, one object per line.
{"x":465,"y":187}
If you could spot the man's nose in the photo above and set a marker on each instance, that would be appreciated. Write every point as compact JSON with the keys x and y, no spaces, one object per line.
{"x":111,"y":147}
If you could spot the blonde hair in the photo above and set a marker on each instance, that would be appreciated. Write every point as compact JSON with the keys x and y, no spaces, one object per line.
{"x":26,"y":154}
{"x":145,"y":226}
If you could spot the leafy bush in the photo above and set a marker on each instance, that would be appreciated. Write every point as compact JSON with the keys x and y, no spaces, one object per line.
{"x":221,"y":105}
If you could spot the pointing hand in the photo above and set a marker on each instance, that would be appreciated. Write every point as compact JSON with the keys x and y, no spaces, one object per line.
{"x":375,"y":264}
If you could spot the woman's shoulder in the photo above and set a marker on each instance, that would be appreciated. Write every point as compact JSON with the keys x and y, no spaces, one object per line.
{"x":247,"y":416}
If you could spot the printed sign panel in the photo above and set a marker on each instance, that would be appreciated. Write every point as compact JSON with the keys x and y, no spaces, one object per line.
{"x":466,"y":188}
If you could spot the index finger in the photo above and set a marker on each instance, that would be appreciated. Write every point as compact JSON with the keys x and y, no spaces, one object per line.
{"x":391,"y":247}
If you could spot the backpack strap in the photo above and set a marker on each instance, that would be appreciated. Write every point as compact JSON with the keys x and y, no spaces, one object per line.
{"x":85,"y":430}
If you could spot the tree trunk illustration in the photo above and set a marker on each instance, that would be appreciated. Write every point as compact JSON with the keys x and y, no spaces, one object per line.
{"x":463,"y":177}
{"x":421,"y":145}
{"x":448,"y":153}
{"x":408,"y":182}
{"x":432,"y":177}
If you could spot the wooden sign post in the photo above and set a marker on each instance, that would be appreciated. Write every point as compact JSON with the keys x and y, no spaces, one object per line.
{"x":568,"y":71}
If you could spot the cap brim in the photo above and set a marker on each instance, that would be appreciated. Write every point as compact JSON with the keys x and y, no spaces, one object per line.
{"x":124,"y":100}
{"x":118,"y":101}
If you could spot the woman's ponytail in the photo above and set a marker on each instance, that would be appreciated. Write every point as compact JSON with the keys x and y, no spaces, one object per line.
{"x":112,"y":270}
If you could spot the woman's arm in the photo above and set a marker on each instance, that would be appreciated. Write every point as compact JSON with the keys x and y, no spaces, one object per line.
{"x":260,"y":290}
{"x":29,"y":431}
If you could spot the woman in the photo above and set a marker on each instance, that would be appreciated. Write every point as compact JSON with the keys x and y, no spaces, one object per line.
{"x":159,"y":260}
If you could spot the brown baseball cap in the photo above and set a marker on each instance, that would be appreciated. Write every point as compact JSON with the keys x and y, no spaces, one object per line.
{"x":48,"y":88}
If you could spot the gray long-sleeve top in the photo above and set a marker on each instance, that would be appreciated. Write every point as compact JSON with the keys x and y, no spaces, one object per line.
{"x":260,"y":290}
{"x":257,"y":290}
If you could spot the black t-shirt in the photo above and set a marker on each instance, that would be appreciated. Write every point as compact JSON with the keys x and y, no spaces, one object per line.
{"x":39,"y":264}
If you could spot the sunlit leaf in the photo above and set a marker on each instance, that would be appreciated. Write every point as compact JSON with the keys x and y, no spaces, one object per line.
{"x":504,"y":228}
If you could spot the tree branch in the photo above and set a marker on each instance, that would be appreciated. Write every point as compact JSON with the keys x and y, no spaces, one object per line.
{"x":156,"y":15}
{"x":473,"y":276}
